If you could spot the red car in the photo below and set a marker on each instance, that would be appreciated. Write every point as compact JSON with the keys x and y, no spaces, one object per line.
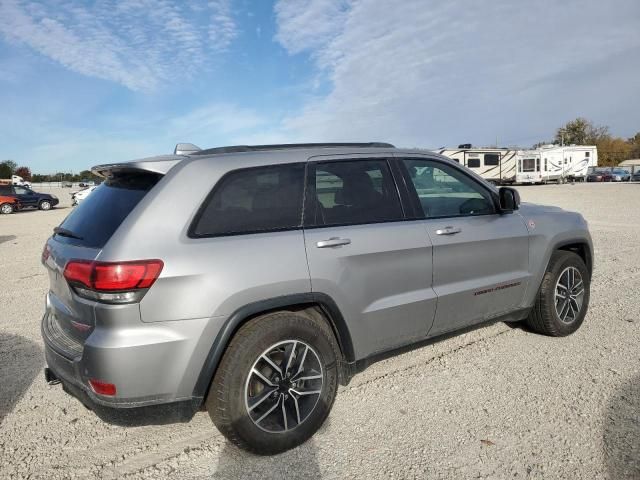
{"x":600,"y":176}
{"x":9,"y":204}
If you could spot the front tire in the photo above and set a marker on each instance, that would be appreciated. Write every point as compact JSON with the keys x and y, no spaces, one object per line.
{"x":563,"y":298}
{"x":45,"y":205}
{"x":276,"y":383}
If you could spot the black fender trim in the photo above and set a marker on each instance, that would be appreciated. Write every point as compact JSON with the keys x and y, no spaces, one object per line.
{"x":578,"y":242}
{"x":241,"y":315}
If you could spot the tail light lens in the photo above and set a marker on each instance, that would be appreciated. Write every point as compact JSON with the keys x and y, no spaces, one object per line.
{"x":112,"y":282}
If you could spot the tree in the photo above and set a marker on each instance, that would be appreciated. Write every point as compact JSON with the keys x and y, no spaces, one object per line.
{"x":612,"y":150}
{"x":23,"y":172}
{"x":634,"y":146}
{"x":581,"y":132}
{"x":6,"y":168}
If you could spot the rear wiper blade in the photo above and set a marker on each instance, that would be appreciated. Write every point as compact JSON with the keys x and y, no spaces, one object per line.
{"x":63,"y":232}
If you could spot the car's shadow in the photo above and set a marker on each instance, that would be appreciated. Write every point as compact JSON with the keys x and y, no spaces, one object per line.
{"x":7,"y":238}
{"x":34,"y":209}
{"x":622,"y":432}
{"x":21,"y":361}
{"x":300,"y":462}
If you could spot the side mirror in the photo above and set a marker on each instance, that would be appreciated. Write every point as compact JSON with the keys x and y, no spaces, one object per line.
{"x":509,"y":199}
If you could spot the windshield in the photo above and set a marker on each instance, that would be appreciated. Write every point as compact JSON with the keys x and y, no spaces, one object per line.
{"x":95,"y":220}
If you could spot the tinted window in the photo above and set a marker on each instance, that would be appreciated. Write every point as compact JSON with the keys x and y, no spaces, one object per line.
{"x":21,"y":191}
{"x":445,"y":192}
{"x":473,"y":163}
{"x":529,"y":165}
{"x":254,"y":200}
{"x":352,"y":192}
{"x":5,"y":190}
{"x":491,"y":159}
{"x":586,"y":154}
{"x":102,"y":212}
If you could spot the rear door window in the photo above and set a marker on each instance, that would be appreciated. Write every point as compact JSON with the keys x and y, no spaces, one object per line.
{"x":95,"y":220}
{"x":351,"y":193}
{"x":253,"y":200}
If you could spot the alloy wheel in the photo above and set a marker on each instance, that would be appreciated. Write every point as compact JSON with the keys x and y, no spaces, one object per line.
{"x":45,"y":205}
{"x":569,"y":294}
{"x":284,"y":386}
{"x":6,"y":208}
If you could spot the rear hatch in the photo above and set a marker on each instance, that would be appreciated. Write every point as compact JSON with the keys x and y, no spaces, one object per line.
{"x":82,"y":236}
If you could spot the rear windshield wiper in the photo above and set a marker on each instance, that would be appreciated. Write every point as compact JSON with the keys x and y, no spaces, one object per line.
{"x":63,"y":232}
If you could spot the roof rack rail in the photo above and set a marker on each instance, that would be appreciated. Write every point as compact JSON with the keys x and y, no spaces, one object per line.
{"x":286,"y":146}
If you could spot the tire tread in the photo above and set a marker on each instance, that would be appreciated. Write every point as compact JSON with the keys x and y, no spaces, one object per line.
{"x":217,"y":402}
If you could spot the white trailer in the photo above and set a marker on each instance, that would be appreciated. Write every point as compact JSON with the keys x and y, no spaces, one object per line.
{"x":497,"y":165}
{"x":569,"y":162}
{"x":529,"y":167}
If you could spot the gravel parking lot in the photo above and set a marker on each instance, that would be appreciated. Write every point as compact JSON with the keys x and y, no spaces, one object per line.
{"x":498,"y":402}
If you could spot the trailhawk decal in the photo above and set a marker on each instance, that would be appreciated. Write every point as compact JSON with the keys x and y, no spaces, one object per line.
{"x":496,"y":288}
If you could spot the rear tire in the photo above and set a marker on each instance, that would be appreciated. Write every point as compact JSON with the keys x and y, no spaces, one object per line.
{"x":563,"y":298}
{"x":240,"y":400}
{"x":6,"y":208}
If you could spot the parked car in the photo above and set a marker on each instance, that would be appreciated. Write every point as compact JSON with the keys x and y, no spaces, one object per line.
{"x":86,"y":183}
{"x":620,"y":175}
{"x":80,"y":195}
{"x":284,"y":270}
{"x":67,"y":184}
{"x":8,"y":204}
{"x":600,"y":175}
{"x":636,"y":176}
{"x":29,"y":198}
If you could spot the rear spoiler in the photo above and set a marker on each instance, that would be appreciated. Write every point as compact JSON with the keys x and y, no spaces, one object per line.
{"x":159,"y":165}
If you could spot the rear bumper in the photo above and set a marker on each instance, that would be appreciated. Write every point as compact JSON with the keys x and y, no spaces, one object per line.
{"x":155,"y":414}
{"x":121,"y":366}
{"x":71,"y":373}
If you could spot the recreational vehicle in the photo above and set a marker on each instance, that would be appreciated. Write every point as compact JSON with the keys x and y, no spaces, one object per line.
{"x":529,"y":167}
{"x":570,"y":162}
{"x":497,"y":165}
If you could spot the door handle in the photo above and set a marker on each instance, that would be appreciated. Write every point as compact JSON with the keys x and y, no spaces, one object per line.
{"x":448,"y":231}
{"x":333,"y":242}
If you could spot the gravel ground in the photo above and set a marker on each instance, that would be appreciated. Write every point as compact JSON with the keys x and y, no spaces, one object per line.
{"x":498,"y":402}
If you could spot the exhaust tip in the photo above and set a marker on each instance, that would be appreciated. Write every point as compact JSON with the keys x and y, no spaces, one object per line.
{"x":50,"y":377}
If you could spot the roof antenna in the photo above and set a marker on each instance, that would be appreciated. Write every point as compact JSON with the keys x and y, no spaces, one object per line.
{"x":185,"y":149}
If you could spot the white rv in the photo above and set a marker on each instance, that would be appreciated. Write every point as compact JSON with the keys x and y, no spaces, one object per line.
{"x":569,"y":162}
{"x":497,"y":165}
{"x":529,"y":167}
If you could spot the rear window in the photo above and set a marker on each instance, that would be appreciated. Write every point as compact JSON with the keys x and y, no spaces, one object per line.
{"x":253,"y":200}
{"x":102,"y":212}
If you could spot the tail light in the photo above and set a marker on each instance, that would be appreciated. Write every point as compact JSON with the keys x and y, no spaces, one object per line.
{"x":112,"y":282}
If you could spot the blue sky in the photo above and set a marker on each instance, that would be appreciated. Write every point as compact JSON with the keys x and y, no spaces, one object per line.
{"x":83,"y":83}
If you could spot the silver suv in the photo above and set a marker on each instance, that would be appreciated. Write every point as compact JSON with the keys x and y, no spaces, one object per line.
{"x":250,"y":281}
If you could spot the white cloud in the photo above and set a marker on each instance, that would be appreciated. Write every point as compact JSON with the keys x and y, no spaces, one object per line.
{"x":424,"y":73}
{"x":140,"y":44}
{"x":308,"y":24}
